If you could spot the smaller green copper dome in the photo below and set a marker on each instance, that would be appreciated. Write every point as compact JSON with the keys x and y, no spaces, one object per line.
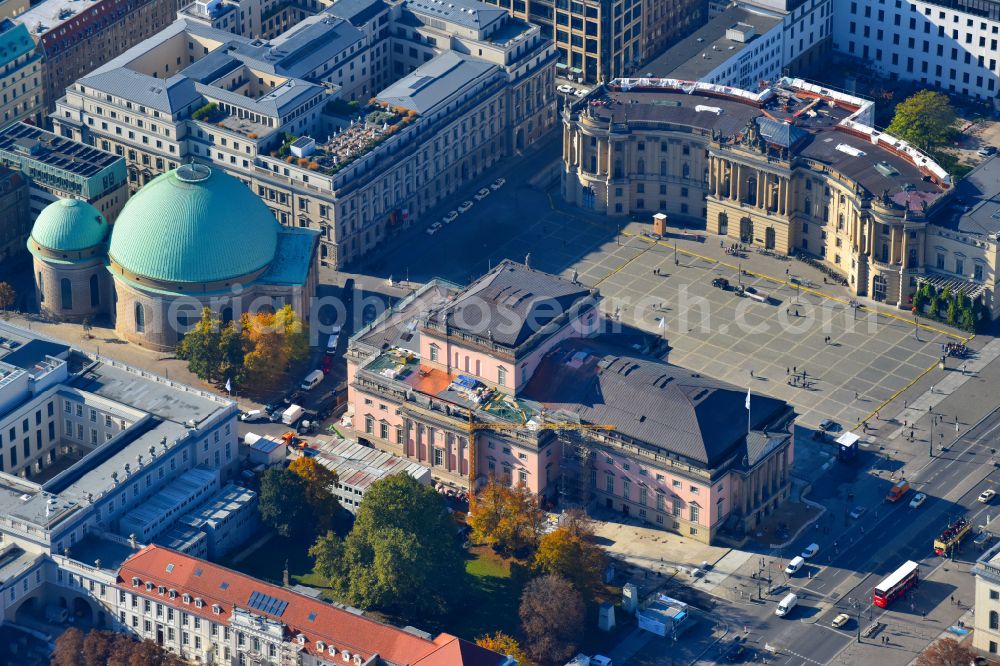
{"x":69,"y":225}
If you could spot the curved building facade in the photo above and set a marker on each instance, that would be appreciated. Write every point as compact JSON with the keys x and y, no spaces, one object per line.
{"x":68,"y":242}
{"x":193,"y":237}
{"x":793,"y":168}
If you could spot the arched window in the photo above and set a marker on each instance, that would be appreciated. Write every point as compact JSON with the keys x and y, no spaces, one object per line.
{"x":994,"y":620}
{"x":140,"y":319}
{"x":227,"y":315}
{"x":95,"y":291}
{"x":723,"y":224}
{"x":66,"y":293}
{"x":41,"y":288}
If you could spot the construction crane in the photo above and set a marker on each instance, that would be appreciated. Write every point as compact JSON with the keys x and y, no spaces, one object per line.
{"x":472,"y":426}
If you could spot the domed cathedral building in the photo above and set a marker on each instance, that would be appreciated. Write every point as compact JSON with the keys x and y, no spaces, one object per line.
{"x":190,"y":238}
{"x":68,"y":242}
{"x":793,"y":168}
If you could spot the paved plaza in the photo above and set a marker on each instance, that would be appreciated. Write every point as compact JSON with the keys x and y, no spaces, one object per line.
{"x":849,"y":362}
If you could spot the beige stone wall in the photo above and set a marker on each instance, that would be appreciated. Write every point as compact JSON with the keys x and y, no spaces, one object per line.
{"x":49,"y":288}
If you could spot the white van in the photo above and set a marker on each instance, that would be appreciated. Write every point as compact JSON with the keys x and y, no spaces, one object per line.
{"x":786,"y":605}
{"x":794,"y":565}
{"x":312,"y":380}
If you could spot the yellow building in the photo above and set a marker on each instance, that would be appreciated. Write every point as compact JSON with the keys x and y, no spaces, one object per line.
{"x":792,"y":169}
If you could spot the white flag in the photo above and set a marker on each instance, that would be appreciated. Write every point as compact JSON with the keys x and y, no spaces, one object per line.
{"x":748,"y":400}
{"x":663,"y":323}
{"x":229,"y":389}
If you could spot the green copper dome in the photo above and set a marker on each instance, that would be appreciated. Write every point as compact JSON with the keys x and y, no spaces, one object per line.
{"x":69,"y":225}
{"x":194,"y":224}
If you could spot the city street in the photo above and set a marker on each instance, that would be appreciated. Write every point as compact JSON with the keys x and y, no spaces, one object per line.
{"x":841,"y":578}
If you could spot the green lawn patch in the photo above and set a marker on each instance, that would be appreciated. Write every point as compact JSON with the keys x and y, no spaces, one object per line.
{"x":494,"y":586}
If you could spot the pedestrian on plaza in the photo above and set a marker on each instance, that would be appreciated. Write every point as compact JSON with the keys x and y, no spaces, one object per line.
{"x":751,"y":373}
{"x":787,"y":372}
{"x":953,"y":600}
{"x":795,"y":369}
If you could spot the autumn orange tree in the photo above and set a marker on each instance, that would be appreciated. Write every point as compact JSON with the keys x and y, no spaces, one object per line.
{"x":508,"y":519}
{"x":552,"y":618}
{"x":317,"y":483}
{"x":274,"y":342}
{"x":946,"y":652}
{"x":569,"y":551}
{"x":506,"y":645}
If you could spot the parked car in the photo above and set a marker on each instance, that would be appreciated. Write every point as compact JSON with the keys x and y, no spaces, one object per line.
{"x":254,"y":416}
{"x":810,"y":550}
{"x":434,"y":228}
{"x":917,"y":500}
{"x":858,"y":511}
{"x":581,"y":92}
{"x":565,"y":89}
{"x":465,"y":206}
{"x":840,"y":620}
{"x":498,"y":183}
{"x":331,"y":344}
{"x":986,"y":151}
{"x":482,"y":194}
{"x":721,"y":283}
{"x":828,"y":425}
{"x":450,"y":217}
{"x":987,"y":496}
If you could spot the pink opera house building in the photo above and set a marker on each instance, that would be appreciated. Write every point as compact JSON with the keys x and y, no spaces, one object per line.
{"x":507,"y":376}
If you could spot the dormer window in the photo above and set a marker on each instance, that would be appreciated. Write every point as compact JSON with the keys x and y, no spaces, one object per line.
{"x":135,"y":581}
{"x":198,"y":603}
{"x":332,"y":650}
{"x":217,"y":609}
{"x":149,"y":586}
{"x":301,"y":639}
{"x":186,"y":598}
{"x":173,"y":594}
{"x":160,"y":589}
{"x":345,"y":655}
{"x":357,"y":660}
{"x":320,"y":645}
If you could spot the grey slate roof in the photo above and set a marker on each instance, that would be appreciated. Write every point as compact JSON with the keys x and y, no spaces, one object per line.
{"x":684,"y":59}
{"x":652,"y":402}
{"x":467,"y":13}
{"x":167,"y":95}
{"x":977,"y":201}
{"x":435,"y":81}
{"x":780,"y":134}
{"x":301,"y":49}
{"x":358,"y":12}
{"x":510,"y":303}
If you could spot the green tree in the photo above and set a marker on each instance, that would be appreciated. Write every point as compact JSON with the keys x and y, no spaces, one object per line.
{"x":400,"y":557}
{"x":273,"y":342}
{"x":7,"y":297}
{"x":925,"y":120}
{"x":552,"y":617}
{"x":201,"y":347}
{"x":504,"y":517}
{"x":318,"y":482}
{"x":282,"y":503}
{"x":231,"y":351}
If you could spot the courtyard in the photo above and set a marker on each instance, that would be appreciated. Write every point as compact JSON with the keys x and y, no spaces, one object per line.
{"x":798,"y":339}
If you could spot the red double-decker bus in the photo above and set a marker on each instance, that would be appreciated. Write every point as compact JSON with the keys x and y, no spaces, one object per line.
{"x":896,"y":584}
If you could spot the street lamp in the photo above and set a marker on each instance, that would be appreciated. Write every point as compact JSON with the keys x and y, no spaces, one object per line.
{"x":930,"y":444}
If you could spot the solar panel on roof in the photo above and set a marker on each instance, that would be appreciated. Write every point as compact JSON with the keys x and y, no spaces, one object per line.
{"x":267,"y":604}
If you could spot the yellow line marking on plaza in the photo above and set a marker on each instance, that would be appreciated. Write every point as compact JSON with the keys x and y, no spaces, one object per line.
{"x":644,"y":251}
{"x":801,"y":288}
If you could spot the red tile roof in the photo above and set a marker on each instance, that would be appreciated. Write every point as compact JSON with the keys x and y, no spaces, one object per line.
{"x":316,"y":620}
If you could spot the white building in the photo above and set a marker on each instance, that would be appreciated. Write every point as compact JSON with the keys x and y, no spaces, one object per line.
{"x":359,"y":466}
{"x":948,"y":45}
{"x":84,"y":441}
{"x":749,"y":43}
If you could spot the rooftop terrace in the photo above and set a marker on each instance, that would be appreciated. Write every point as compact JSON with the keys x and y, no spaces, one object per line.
{"x":817,"y":125}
